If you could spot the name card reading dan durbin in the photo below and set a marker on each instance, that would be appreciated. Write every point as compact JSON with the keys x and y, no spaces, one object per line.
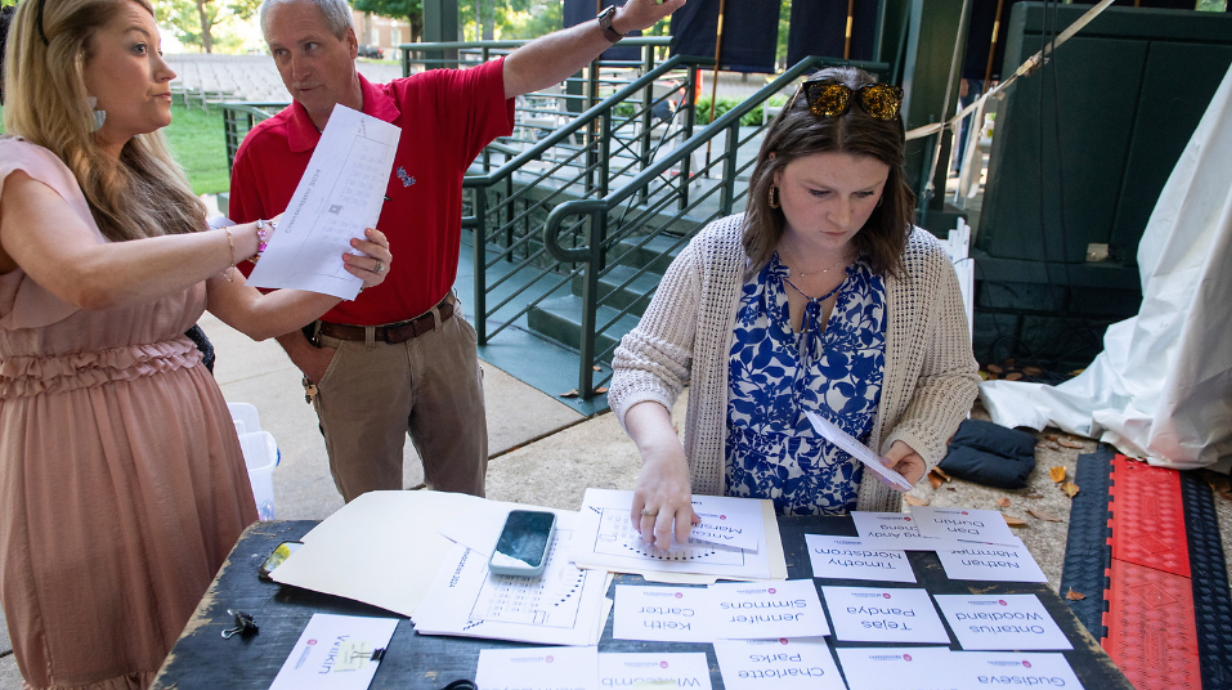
{"x":782,"y":664}
{"x":865,"y":614}
{"x":963,"y":523}
{"x":662,"y":614}
{"x":749,"y":610}
{"x":1001,"y":621}
{"x":847,"y":558}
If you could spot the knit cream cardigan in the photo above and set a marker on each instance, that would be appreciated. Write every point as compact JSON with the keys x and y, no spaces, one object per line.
{"x":685,"y":337}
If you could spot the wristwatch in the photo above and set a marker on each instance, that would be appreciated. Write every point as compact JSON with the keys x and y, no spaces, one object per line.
{"x":605,"y":23}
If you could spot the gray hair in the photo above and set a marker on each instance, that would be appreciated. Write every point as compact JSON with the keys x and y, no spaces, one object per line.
{"x":337,"y":14}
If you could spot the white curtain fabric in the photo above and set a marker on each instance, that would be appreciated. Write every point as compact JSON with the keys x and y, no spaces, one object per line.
{"x":1162,"y":388}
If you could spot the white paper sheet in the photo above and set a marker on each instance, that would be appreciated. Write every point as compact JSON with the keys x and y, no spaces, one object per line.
{"x":538,"y":668}
{"x":335,"y":653}
{"x":561,"y":607}
{"x":963,"y":523}
{"x":1012,"y":670}
{"x":992,"y":563}
{"x":785,"y":664}
{"x":1001,"y":621}
{"x":847,"y":558}
{"x":397,"y":529}
{"x":747,"y":610}
{"x":339,"y":195}
{"x":608,"y":540}
{"x":895,"y":531}
{"x":731,"y":522}
{"x":898,"y":668}
{"x":681,"y":670}
{"x":663,"y":614}
{"x":855,"y":449}
{"x":866,"y":614}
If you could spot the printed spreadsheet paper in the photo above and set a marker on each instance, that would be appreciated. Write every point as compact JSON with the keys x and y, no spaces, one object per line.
{"x":340,"y":194}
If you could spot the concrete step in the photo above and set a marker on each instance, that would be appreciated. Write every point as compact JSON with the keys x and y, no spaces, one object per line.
{"x":560,"y":318}
{"x":656,"y":254}
{"x":613,"y":291}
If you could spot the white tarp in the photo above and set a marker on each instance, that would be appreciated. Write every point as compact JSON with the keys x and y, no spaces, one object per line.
{"x":1162,"y":388}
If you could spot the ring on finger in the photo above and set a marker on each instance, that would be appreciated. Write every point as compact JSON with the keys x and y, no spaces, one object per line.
{"x":646,"y":512}
{"x":378,"y":267}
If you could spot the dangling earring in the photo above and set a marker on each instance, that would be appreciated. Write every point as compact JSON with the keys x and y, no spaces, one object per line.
{"x":100,"y":116}
{"x":774,"y":196}
{"x":880,"y":200}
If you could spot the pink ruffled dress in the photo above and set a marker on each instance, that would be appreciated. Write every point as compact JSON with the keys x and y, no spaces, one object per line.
{"x":122,"y":484}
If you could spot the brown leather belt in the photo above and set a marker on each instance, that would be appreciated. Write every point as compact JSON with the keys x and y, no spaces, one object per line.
{"x":394,"y":332}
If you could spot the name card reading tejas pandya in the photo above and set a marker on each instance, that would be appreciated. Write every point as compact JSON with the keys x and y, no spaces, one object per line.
{"x":963,"y":523}
{"x":662,"y":614}
{"x":782,"y":664}
{"x":847,"y":558}
{"x":1001,"y":621}
{"x":749,"y":610}
{"x":866,"y":614}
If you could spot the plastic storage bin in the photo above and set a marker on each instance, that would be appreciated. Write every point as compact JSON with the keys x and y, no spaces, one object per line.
{"x":261,"y":456}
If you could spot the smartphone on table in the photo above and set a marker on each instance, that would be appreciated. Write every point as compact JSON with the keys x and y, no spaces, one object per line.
{"x":522,"y":548}
{"x":276,"y":557}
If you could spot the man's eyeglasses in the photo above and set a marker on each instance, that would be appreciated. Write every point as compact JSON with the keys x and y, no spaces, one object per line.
{"x":828,"y":99}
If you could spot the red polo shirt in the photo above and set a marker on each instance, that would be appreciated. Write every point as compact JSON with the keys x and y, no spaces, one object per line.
{"x":447,"y":116}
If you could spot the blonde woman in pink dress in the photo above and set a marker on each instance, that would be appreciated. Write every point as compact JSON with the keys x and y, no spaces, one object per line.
{"x":122,"y":485}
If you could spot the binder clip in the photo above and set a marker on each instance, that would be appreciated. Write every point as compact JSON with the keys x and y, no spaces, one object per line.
{"x":378,"y":655}
{"x":245,"y":626}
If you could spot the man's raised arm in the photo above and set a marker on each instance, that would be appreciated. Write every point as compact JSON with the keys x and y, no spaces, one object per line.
{"x":558,"y":56}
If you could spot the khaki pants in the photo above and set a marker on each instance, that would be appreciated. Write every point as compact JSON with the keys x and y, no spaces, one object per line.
{"x":374,"y":393}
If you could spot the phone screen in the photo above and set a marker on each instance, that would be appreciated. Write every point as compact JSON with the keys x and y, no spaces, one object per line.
{"x":524,"y":540}
{"x":278,"y":555}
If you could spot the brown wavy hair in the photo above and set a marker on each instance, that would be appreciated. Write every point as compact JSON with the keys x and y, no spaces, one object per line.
{"x":145,"y":192}
{"x":796,"y":133}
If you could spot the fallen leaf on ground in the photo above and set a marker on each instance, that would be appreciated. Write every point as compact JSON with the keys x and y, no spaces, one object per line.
{"x":1070,"y":444}
{"x":1032,"y":371}
{"x":569,"y":394}
{"x":950,"y":488}
{"x":1070,"y":489}
{"x":941,"y":473}
{"x":1051,"y":445}
{"x":601,"y":390}
{"x":913,"y":501}
{"x":1035,"y":495}
{"x":1013,"y":376}
{"x":1014,"y":521}
{"x":1074,"y":596}
{"x":1003,"y":502}
{"x":1050,"y":437}
{"x":995,"y":369}
{"x":935,"y":481}
{"x":1057,"y":474}
{"x":1045,"y":516}
{"x":597,"y":368}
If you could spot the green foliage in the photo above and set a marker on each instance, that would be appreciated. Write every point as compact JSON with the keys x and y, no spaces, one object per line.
{"x":1212,"y":5}
{"x":394,"y":9}
{"x":541,"y":17}
{"x":197,"y":141}
{"x":186,"y":18}
{"x":750,"y":119}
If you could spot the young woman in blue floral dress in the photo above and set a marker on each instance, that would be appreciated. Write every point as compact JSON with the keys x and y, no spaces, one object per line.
{"x":822,"y":296}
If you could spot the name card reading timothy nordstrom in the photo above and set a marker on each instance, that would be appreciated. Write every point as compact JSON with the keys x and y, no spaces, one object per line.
{"x":847,"y":558}
{"x":865,"y":614}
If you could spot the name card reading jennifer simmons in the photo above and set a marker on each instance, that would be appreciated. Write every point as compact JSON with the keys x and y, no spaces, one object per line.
{"x":865,"y":614}
{"x":847,"y":558}
{"x":749,"y":610}
{"x":1001,"y":621}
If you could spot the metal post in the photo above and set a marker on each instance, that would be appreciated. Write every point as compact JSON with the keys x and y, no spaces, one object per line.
{"x":729,"y":168}
{"x":605,"y":169}
{"x":479,"y":243}
{"x":689,"y":102}
{"x":590,"y":307}
{"x":647,"y":120}
{"x":441,"y":25}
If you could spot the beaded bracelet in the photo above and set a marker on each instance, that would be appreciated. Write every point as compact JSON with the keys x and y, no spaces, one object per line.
{"x":262,"y":238}
{"x":230,"y":255}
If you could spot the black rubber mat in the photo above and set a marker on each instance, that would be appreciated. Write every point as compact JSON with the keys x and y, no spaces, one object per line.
{"x":1087,"y":552}
{"x":1209,"y":574}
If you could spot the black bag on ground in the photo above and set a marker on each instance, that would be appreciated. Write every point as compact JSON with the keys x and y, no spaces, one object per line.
{"x":992,"y":455}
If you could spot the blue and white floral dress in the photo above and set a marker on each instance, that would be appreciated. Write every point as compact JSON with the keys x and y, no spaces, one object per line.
{"x":776,"y":374}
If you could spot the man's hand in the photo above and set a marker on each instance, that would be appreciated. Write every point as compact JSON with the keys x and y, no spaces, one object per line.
{"x":312,"y":361}
{"x":637,"y":15}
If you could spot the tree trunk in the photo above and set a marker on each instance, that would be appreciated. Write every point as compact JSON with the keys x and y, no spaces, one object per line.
{"x":416,"y":20}
{"x":487,"y":12}
{"x":207,"y":41}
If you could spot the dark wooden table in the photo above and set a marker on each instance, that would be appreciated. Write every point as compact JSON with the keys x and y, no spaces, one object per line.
{"x":203,"y":659}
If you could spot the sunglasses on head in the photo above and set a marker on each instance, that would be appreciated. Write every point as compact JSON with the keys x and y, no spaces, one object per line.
{"x":828,"y":99}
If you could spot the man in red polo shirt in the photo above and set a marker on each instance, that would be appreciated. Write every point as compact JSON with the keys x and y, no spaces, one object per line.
{"x":400,"y":358}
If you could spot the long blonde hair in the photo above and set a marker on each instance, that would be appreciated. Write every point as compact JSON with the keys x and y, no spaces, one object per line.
{"x":145,"y":193}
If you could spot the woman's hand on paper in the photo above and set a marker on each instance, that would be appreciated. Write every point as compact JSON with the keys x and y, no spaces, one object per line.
{"x":373,"y":265}
{"x":663,"y":498}
{"x":905,"y":461}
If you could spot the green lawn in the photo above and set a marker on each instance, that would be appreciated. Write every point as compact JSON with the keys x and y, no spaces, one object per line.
{"x":199,"y":145}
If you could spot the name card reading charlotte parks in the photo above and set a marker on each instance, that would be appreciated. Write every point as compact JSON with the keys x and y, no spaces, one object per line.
{"x":1001,"y":621}
{"x":782,"y":664}
{"x":847,"y":558}
{"x":865,"y":614}
{"x":662,"y":614}
{"x":746,"y":610}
